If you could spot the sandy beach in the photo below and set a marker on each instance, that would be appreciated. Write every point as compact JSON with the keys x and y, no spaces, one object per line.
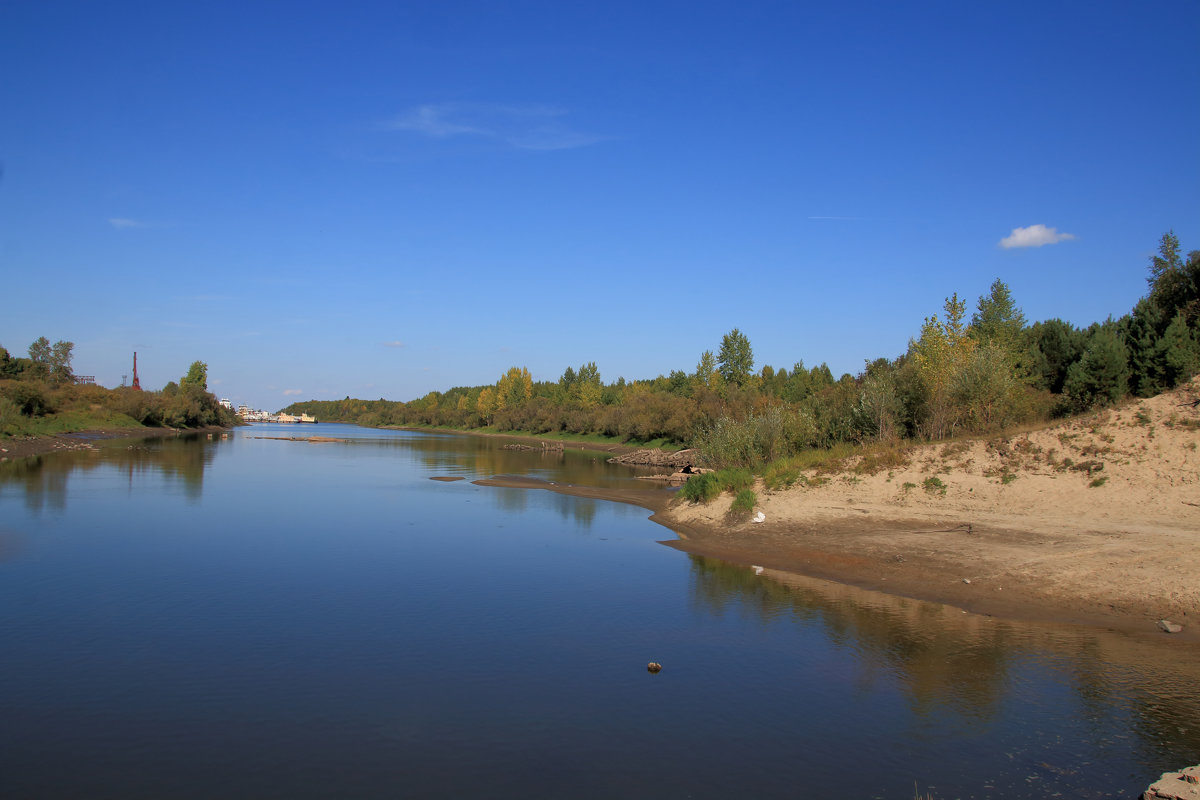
{"x":1095,"y":520}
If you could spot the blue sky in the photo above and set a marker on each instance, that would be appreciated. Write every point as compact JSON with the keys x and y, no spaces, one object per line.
{"x":384,"y":199}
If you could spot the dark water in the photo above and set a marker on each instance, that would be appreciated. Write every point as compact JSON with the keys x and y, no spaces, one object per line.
{"x":265,"y":618}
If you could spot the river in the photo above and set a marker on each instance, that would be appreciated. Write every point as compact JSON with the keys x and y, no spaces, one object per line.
{"x":260,"y":617}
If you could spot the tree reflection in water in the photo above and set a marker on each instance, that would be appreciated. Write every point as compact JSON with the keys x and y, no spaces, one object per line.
{"x":939,"y":655}
{"x":43,"y":479}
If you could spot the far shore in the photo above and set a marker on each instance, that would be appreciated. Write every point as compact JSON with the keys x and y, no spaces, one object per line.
{"x":27,"y":446}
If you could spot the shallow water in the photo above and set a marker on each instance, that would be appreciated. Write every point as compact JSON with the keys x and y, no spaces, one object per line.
{"x":266,"y":618}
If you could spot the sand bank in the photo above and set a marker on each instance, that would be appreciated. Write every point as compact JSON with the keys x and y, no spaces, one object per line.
{"x":1094,"y":521}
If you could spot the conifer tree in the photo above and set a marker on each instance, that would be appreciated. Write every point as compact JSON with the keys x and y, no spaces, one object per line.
{"x":1101,"y":376}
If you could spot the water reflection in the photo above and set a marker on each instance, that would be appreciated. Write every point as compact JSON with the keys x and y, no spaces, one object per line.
{"x":43,"y":480}
{"x":940,"y":655}
{"x":452,"y":454}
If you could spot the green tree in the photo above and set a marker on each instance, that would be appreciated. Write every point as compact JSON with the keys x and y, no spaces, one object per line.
{"x":60,"y":362}
{"x":39,"y":355}
{"x":51,"y":362}
{"x":706,"y":369}
{"x":1179,"y":350}
{"x":879,"y":404}
{"x":197,"y":375}
{"x":735,"y":358}
{"x":1101,"y":376}
{"x":1052,"y":347}
{"x":997,"y":320}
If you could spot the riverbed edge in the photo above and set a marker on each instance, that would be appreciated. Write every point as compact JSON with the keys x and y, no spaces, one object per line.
{"x":938,"y":583}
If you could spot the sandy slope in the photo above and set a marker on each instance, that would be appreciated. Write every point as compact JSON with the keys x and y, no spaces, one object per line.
{"x":1043,"y":541}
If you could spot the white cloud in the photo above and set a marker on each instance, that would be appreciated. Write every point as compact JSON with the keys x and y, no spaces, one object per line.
{"x":530,"y":127}
{"x":1034,"y":236}
{"x":290,"y":392}
{"x":396,"y":343}
{"x":123,"y":223}
{"x":433,"y":120}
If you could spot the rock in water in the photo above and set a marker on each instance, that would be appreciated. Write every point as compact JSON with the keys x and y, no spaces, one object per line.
{"x":1169,"y":627}
{"x":1182,"y":785}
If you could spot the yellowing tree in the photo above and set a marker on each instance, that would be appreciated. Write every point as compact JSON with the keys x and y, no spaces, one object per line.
{"x":941,"y":354}
{"x":486,"y":405}
{"x":514,"y":387}
{"x":587,"y":389}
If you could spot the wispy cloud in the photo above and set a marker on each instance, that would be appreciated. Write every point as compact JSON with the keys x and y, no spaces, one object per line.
{"x":1034,"y":236}
{"x":396,"y":343}
{"x":435,"y":121}
{"x":291,"y":392}
{"x":124,"y":223}
{"x":526,"y":127}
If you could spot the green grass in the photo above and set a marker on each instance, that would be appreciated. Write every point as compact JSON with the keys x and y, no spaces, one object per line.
{"x":745,"y":502}
{"x":934,"y":485}
{"x":1098,"y":482}
{"x":734,"y":479}
{"x":707,"y":487}
{"x":64,"y":422}
{"x":701,"y":488}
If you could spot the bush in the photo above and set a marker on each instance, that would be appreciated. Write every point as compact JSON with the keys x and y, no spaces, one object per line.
{"x":29,"y":397}
{"x":12,"y":421}
{"x":934,"y":485}
{"x":756,"y":439}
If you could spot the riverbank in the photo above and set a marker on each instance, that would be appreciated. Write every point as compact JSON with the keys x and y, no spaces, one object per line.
{"x":26,"y":446}
{"x":599,"y":445}
{"x":1094,"y":521}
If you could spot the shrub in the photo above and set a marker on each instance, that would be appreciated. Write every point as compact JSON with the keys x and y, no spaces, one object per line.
{"x":935,"y":485}
{"x":12,"y":421}
{"x":29,"y":397}
{"x":1097,"y":482}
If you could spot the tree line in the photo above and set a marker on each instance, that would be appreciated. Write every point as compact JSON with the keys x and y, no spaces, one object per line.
{"x":40,"y":394}
{"x":961,"y":375}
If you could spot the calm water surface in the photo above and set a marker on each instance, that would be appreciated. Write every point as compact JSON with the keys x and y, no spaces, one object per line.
{"x":266,"y":618}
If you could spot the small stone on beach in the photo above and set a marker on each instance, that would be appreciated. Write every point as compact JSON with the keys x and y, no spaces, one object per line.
{"x":1166,"y":626}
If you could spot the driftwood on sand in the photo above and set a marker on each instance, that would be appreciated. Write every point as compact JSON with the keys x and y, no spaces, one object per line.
{"x":658,"y":458}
